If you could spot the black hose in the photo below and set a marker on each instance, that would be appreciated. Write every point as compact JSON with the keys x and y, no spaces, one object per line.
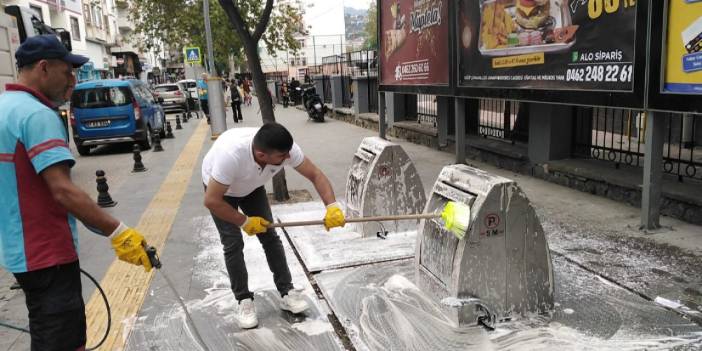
{"x":107,"y":306}
{"x":14,"y":327}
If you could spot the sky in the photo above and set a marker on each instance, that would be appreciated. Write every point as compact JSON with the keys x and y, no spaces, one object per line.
{"x":359,"y":4}
{"x":326,"y":17}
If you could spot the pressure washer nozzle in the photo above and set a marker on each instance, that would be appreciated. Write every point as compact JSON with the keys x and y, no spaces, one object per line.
{"x":456,"y":217}
{"x":153,"y":256}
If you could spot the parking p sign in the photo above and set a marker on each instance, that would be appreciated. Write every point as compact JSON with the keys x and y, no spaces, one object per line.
{"x":192,"y":55}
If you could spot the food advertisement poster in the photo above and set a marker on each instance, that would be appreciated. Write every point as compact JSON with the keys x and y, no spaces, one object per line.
{"x":683,"y":68}
{"x":547,"y":44}
{"x":414,"y":42}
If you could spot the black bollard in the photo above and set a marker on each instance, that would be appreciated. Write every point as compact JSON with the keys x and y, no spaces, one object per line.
{"x":104,"y":199}
{"x":138,"y":165}
{"x":178,"y":126}
{"x":185,"y":117}
{"x":169,"y":130}
{"x":157,"y":143}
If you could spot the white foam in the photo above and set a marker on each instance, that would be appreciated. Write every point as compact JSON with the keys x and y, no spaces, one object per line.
{"x":313,"y":327}
{"x":399,"y":282}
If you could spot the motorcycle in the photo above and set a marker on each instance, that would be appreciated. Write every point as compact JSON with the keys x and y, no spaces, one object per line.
{"x":313,"y":104}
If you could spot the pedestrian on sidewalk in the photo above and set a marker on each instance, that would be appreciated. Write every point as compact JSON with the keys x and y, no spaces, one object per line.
{"x":39,"y":202}
{"x":284,"y":94}
{"x":236,"y":102}
{"x":234,"y":172}
{"x":203,"y":96}
{"x":246,"y":87}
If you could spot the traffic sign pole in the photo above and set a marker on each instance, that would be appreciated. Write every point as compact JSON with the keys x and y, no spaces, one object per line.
{"x":214,"y":83}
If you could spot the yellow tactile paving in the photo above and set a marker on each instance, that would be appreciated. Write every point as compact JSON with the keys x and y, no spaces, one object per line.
{"x":126,"y":285}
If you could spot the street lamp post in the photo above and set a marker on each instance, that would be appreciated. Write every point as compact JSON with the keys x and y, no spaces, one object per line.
{"x":215,"y":95}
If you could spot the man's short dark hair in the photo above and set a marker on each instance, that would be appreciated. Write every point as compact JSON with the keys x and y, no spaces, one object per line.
{"x":273,"y":137}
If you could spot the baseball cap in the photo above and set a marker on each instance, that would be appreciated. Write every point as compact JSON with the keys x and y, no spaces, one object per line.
{"x":47,"y":46}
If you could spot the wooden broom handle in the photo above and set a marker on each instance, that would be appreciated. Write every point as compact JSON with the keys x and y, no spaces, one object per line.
{"x":360,"y":219}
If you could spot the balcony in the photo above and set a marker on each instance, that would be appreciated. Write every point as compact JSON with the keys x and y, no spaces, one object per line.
{"x":123,"y":23}
{"x":56,"y":5}
{"x":122,"y":4}
{"x":95,"y":34}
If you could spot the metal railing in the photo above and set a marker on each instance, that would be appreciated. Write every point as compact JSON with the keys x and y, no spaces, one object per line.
{"x":498,"y":119}
{"x":427,"y":109}
{"x":280,"y":76}
{"x":326,"y":89}
{"x":361,"y":63}
{"x":618,"y":136}
{"x":373,"y":94}
{"x":346,"y":91}
{"x":350,"y":65}
{"x":315,"y":70}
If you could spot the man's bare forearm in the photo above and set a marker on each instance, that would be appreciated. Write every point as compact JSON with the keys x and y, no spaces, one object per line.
{"x":324,"y":188}
{"x":80,"y":205}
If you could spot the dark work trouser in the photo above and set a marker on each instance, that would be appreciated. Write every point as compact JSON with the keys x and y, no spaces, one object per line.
{"x":55,"y":305}
{"x":236,"y":110}
{"x":254,"y":204}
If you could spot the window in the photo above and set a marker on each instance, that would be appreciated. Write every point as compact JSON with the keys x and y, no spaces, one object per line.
{"x":38,"y":11}
{"x":166,"y":88}
{"x":97,"y":16}
{"x":87,"y":15}
{"x":101,"y":97}
{"x":75,"y":28}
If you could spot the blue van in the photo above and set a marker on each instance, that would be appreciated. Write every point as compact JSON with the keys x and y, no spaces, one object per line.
{"x":114,"y":111}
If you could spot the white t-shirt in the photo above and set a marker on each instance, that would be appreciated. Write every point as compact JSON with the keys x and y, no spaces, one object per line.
{"x":230,"y":161}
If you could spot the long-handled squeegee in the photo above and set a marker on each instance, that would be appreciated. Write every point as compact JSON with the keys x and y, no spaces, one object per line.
{"x":455,"y":215}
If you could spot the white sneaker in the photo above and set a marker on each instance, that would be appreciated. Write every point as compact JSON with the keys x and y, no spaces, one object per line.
{"x":247,"y":314}
{"x":294,"y":302}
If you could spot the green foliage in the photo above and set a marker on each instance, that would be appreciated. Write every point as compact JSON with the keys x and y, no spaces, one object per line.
{"x":371,"y":29}
{"x":180,"y":23}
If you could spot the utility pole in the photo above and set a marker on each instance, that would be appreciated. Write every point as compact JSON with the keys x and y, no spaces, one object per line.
{"x":215,"y":95}
{"x":314,"y":47}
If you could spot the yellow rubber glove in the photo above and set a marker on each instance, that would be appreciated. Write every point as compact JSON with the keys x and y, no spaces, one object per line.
{"x":129,"y":246}
{"x":255,"y":225}
{"x":334,"y":217}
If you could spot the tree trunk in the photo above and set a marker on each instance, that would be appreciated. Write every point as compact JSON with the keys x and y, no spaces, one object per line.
{"x":265,"y":102}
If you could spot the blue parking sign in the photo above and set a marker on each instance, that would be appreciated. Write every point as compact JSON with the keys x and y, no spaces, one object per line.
{"x":192,"y":55}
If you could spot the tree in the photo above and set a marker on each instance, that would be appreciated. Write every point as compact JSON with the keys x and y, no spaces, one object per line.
{"x":251,"y":28}
{"x":180,"y":23}
{"x":371,"y":28}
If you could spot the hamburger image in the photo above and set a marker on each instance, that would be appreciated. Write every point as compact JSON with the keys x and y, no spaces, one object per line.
{"x":532,"y":14}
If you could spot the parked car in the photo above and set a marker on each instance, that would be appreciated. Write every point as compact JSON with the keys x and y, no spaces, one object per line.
{"x":190,"y":88}
{"x":174,"y":97}
{"x":114,"y":111}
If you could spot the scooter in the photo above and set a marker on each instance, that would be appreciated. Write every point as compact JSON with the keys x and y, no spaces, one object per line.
{"x":313,"y":104}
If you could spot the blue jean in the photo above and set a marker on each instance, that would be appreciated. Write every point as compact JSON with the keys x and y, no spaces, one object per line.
{"x":254,"y":204}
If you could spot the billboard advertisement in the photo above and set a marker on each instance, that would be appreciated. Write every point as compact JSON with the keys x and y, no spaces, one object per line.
{"x":557,"y":45}
{"x":414,"y":45}
{"x":683,"y":55}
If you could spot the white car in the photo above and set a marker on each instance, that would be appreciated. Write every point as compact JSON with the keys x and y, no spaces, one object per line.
{"x":173,"y":97}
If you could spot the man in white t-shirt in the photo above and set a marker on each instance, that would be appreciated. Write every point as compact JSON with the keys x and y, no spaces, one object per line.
{"x":234,"y":172}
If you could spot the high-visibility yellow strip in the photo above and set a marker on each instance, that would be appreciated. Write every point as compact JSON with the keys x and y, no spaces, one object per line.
{"x":126,"y":285}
